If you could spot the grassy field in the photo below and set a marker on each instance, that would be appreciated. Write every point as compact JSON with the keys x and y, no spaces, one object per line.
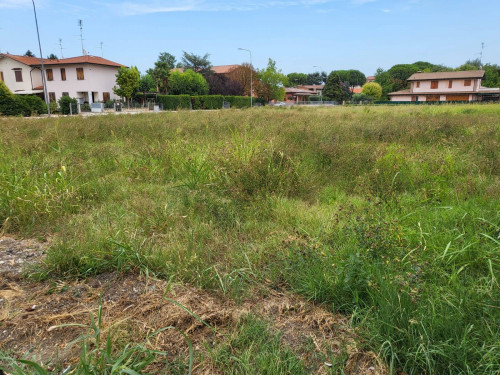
{"x":389,"y":215}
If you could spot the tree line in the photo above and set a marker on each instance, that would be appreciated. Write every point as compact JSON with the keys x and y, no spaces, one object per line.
{"x":193,"y":75}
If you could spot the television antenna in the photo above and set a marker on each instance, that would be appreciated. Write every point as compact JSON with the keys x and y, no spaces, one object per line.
{"x":61,"y":47}
{"x":80,"y":24}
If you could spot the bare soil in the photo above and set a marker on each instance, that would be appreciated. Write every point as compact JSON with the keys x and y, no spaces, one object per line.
{"x":134,"y":306}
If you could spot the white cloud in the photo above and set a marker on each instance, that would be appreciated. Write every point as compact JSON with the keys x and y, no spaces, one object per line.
{"x":361,"y":2}
{"x":14,"y":3}
{"x":132,"y":8}
{"x":386,"y":10}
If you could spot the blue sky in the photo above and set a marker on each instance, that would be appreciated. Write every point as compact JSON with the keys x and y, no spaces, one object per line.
{"x":298,"y":34}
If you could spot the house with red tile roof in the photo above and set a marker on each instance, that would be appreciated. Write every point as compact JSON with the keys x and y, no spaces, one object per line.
{"x":88,"y":78}
{"x":446,"y":86}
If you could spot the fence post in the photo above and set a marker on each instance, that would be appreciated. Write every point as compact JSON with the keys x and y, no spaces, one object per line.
{"x":78,"y":107}
{"x":71,"y":109}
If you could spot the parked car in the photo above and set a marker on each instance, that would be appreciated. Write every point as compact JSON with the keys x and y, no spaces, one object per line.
{"x":280,"y":104}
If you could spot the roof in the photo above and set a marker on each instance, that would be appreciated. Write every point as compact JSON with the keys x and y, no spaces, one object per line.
{"x":293,"y":90}
{"x":356,"y":90}
{"x":311,"y":86}
{"x":224,"y":69}
{"x":402,"y":92}
{"x":87,"y":59}
{"x":447,"y":75}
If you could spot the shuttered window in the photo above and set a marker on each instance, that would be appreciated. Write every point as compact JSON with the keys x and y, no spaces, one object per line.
{"x":434,"y":84}
{"x":1,"y":76}
{"x":467,"y":82}
{"x":418,"y":84}
{"x":50,"y":74}
{"x":105,"y":97}
{"x":19,"y":74}
{"x":65,"y":94}
{"x":63,"y":74}
{"x":79,"y":74}
{"x":450,"y":84}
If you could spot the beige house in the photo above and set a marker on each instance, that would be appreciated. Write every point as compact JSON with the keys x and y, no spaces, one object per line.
{"x":88,"y":78}
{"x":446,"y":87}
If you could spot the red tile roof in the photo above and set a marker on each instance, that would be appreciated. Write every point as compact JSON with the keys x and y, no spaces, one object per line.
{"x":447,"y":75}
{"x":87,"y":59}
{"x":224,"y":69}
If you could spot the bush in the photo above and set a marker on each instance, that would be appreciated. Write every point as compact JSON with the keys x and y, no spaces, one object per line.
{"x":212,"y":101}
{"x":174,"y":102}
{"x":65,"y":102}
{"x":238,"y":101}
{"x":15,"y":105}
{"x":361,"y":98}
{"x":372,"y":89}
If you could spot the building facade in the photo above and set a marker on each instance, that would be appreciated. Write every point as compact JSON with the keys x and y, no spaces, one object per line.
{"x":89,"y":79}
{"x":446,"y":87}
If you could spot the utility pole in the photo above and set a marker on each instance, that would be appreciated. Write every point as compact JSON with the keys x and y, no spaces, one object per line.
{"x":481,"y":54}
{"x":251,"y":68}
{"x":45,"y":93}
{"x":102,"y":55}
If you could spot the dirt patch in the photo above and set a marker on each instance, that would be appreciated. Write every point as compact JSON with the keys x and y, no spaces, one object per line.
{"x":134,"y":306}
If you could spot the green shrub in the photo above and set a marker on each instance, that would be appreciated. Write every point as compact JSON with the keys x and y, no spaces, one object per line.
{"x":15,"y":105}
{"x":212,"y":101}
{"x":174,"y":102}
{"x":238,"y":101}
{"x":65,"y":102}
{"x":196,"y":102}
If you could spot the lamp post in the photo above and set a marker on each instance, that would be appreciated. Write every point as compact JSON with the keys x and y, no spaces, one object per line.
{"x":45,"y":94}
{"x":251,"y":83}
{"x":320,"y":69}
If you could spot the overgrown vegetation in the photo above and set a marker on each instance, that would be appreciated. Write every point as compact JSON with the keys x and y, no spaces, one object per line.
{"x":388,"y":214}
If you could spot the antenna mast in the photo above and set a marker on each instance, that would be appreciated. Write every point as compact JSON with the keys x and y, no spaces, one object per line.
{"x":481,"y":54}
{"x":102,"y":55}
{"x":80,"y":23}
{"x":61,"y":47}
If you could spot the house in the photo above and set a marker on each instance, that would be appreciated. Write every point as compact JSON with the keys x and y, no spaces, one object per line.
{"x":314,"y":89}
{"x":446,"y":86}
{"x":370,"y":79}
{"x":88,"y":78}
{"x":296,"y":95}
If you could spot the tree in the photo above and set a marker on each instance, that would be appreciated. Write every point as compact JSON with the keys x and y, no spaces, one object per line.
{"x":316,"y":78}
{"x":373,"y":90}
{"x":352,"y":77}
{"x":400,"y":73}
{"x":242,"y":75}
{"x":383,"y":78}
{"x":128,"y":81}
{"x":295,"y":79}
{"x":29,"y":54}
{"x":471,"y":65}
{"x":491,"y":76}
{"x":220,"y":84}
{"x":187,"y":83}
{"x":146,"y":83}
{"x":334,"y":90}
{"x":52,"y":57}
{"x":198,"y":64}
{"x":272,"y":81}
{"x":161,"y":71}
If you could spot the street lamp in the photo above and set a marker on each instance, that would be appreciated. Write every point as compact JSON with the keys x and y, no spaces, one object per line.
{"x":45,"y":94}
{"x":320,"y":70}
{"x":251,"y":83}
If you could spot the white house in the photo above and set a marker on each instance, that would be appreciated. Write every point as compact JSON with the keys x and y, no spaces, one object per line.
{"x":87,"y":78}
{"x":446,"y":86}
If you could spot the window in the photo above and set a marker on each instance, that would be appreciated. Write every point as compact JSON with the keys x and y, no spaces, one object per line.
{"x":105,"y":97}
{"x":79,"y":74}
{"x":63,"y":74}
{"x":1,"y":76}
{"x":65,"y":94}
{"x":434,"y":84}
{"x":19,"y":74}
{"x":52,"y":96}
{"x":50,"y":74}
{"x":418,"y":84}
{"x":450,"y":84}
{"x":467,"y":82}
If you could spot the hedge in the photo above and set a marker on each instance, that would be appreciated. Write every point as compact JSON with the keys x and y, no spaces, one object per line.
{"x":174,"y":102}
{"x":15,"y":105}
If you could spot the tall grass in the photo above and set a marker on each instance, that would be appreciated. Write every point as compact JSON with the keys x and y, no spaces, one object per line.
{"x":389,"y":214}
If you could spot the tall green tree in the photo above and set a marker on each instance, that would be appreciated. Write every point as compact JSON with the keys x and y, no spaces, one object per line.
{"x":127,"y":80}
{"x":383,"y":78}
{"x":334,"y":89}
{"x":198,"y":64}
{"x":491,"y":75}
{"x":272,"y":82}
{"x":187,"y":83}
{"x":295,"y":79}
{"x":29,"y":54}
{"x":146,"y":83}
{"x":373,"y":90}
{"x":352,"y":77}
{"x":161,"y":71}
{"x":399,"y":75}
{"x":52,"y":56}
{"x":316,"y":78}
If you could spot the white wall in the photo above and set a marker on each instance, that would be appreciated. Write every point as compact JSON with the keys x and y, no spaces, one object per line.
{"x":457,"y":86}
{"x":97,"y":78}
{"x":29,"y":74}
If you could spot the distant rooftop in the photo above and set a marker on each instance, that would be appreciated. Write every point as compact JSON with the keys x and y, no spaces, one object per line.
{"x":87,"y":59}
{"x":447,"y":75}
